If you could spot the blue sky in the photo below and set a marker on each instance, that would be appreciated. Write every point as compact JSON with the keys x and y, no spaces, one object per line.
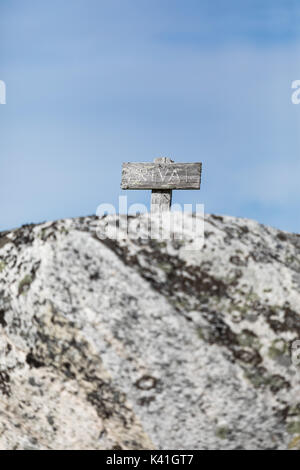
{"x":93,"y":83}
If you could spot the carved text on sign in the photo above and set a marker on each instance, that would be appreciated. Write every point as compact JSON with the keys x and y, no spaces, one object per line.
{"x":161,"y":176}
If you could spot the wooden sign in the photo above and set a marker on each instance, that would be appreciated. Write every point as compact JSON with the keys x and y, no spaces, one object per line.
{"x":161,"y":177}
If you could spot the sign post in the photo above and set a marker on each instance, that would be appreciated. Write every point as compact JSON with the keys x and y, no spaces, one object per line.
{"x":161,"y":176}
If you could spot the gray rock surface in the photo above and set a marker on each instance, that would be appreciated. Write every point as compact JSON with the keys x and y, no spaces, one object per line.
{"x":141,"y":344}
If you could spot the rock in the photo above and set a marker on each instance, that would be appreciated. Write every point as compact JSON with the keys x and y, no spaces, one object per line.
{"x":149,"y":344}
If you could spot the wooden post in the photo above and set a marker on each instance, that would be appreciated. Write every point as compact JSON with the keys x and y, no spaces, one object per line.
{"x":161,"y":199}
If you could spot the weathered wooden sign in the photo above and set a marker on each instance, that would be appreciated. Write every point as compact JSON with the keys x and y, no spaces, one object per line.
{"x":161,"y":177}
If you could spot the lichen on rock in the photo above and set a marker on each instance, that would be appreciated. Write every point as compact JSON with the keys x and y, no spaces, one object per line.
{"x":137,"y":344}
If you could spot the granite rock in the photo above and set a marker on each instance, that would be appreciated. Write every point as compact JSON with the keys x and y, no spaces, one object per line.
{"x":136,"y":343}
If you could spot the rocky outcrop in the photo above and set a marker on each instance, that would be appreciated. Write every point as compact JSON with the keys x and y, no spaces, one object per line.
{"x":143,"y":344}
